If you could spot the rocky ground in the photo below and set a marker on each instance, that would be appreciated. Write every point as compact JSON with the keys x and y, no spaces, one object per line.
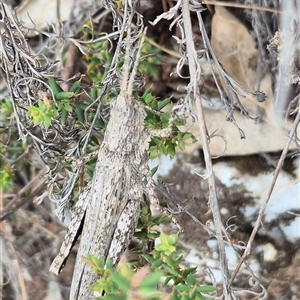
{"x":32,"y":238}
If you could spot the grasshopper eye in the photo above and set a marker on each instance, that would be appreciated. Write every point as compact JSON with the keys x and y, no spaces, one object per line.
{"x":129,"y":112}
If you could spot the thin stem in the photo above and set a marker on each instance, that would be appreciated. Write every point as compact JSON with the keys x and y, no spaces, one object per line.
{"x":265,"y":203}
{"x":195,"y":72}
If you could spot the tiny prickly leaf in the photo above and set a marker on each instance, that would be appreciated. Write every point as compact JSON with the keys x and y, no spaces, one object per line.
{"x":157,"y":263}
{"x":152,"y":279}
{"x":75,"y":86}
{"x":171,"y":270}
{"x":80,"y":113}
{"x":47,"y":121}
{"x":154,"y":170}
{"x":173,"y":239}
{"x":165,"y":117}
{"x":64,"y":95}
{"x":122,"y":283}
{"x":193,"y":293}
{"x":163,"y":103}
{"x":190,"y":279}
{"x":150,"y":259}
{"x":94,"y":93}
{"x":206,"y":289}
{"x":55,"y":87}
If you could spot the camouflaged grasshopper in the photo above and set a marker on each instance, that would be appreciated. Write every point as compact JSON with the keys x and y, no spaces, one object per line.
{"x":109,"y":207}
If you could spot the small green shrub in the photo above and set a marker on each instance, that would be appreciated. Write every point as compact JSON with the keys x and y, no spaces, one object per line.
{"x":148,"y":276}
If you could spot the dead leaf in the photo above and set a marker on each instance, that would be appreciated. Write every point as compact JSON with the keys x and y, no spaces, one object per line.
{"x":234,"y":47}
{"x":236,"y":50}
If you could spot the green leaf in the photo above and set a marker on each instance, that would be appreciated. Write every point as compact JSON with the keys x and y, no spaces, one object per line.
{"x":181,"y":145}
{"x":88,"y":260}
{"x":122,"y":283}
{"x":162,"y":149}
{"x":37,"y":120}
{"x":149,"y":293}
{"x":42,"y":106}
{"x":153,"y":153}
{"x":206,"y":289}
{"x":60,"y":106}
{"x":126,"y":272}
{"x":157,"y":263}
{"x":181,"y":136}
{"x":171,"y":270}
{"x":94,"y":93}
{"x":188,"y":271}
{"x":6,"y":178}
{"x":178,"y":260}
{"x":151,"y":125}
{"x":75,"y":86}
{"x":182,"y":288}
{"x":47,"y":121}
{"x":90,"y":168}
{"x":80,"y":113}
{"x":97,"y":262}
{"x":64,"y":95}
{"x":170,"y":261}
{"x":33,"y":110}
{"x":6,"y":108}
{"x":154,"y":170}
{"x":165,"y":117}
{"x":150,"y":259}
{"x":163,"y":103}
{"x":68,"y":107}
{"x":95,"y":140}
{"x":176,"y":253}
{"x":152,"y":279}
{"x":193,"y":293}
{"x":164,"y":239}
{"x":100,"y":123}
{"x":145,"y":210}
{"x":109,"y":264}
{"x":173,"y":239}
{"x":154,"y":104}
{"x":63,"y":116}
{"x":55,"y":87}
{"x":190,"y":279}
{"x":175,"y":295}
{"x":156,"y":140}
{"x":162,"y":219}
{"x":167,"y":279}
{"x":171,"y":149}
{"x":144,"y":95}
